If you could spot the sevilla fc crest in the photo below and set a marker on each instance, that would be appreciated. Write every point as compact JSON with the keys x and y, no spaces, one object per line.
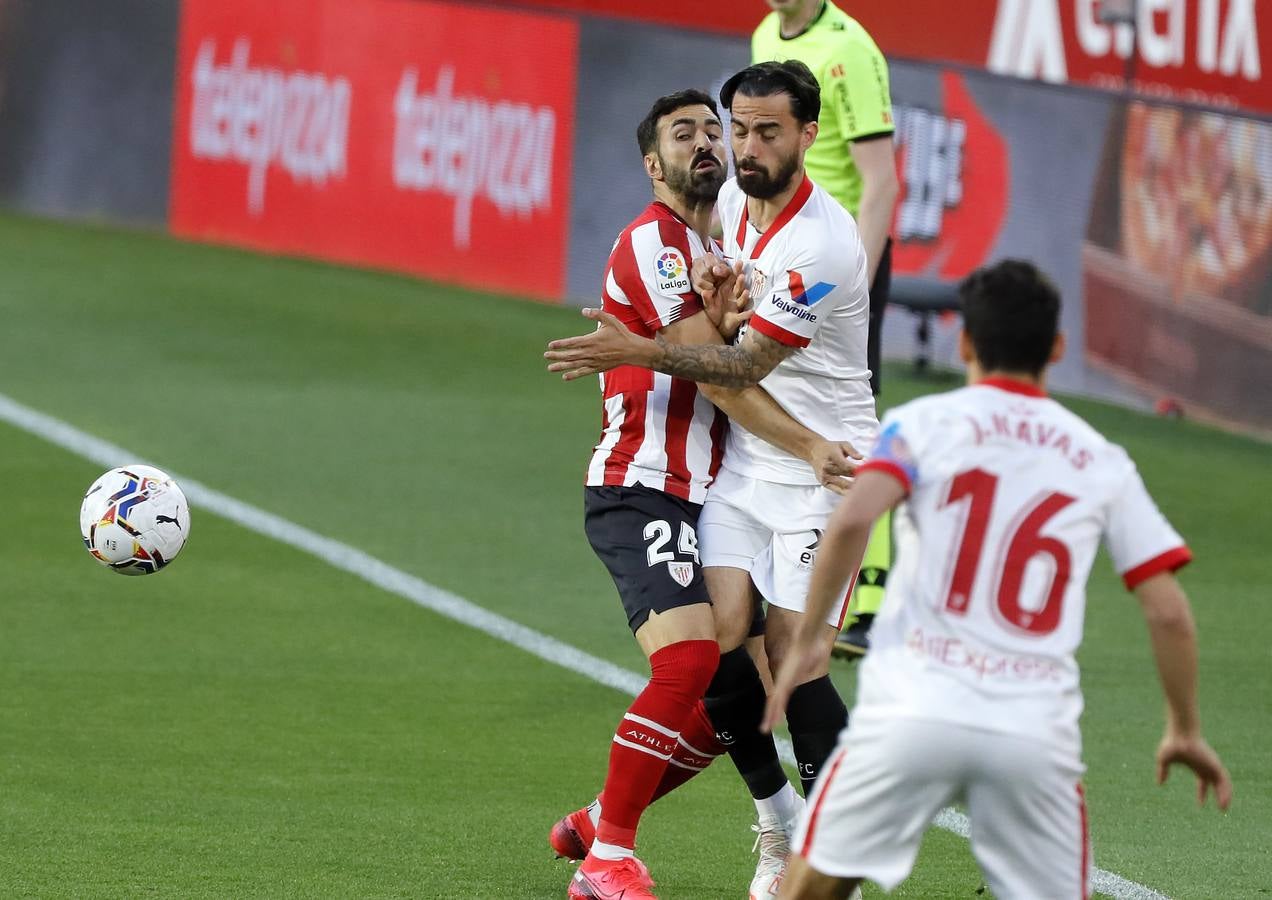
{"x":759,"y":281}
{"x":681,"y":572}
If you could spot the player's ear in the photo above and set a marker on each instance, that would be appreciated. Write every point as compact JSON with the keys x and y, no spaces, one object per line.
{"x":809,"y":134}
{"x":653,"y":168}
{"x":1058,"y":347}
{"x":966,"y":350}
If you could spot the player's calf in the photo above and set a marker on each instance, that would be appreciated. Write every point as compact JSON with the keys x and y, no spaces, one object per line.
{"x":816,"y":714}
{"x":735,"y":701}
{"x":571,"y":837}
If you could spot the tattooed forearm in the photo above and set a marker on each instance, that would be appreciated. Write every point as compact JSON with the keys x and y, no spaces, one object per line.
{"x":732,"y":366}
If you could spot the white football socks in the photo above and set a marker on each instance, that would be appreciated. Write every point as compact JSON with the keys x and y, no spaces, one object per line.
{"x":612,"y":852}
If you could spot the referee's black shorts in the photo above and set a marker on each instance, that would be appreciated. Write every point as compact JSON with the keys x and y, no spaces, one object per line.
{"x":648,"y":540}
{"x":879,"y":290}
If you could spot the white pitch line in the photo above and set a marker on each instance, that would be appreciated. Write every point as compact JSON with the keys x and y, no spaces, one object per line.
{"x":420,"y":592}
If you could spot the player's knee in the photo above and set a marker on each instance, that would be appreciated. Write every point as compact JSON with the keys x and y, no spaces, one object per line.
{"x":735,"y":697}
{"x":778,"y":641}
{"x":686,"y":667}
{"x":816,"y":706}
{"x":731,"y":634}
{"x":735,"y":622}
{"x":736,"y":673}
{"x":776,"y":647}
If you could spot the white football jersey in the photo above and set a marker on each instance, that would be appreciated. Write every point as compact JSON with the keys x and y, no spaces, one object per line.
{"x":1009,"y":495}
{"x":810,"y":289}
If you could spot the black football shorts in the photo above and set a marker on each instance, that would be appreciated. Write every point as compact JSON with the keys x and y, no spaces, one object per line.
{"x":648,"y":540}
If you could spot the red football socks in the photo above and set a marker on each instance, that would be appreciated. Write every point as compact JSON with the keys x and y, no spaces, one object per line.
{"x":649,"y":735}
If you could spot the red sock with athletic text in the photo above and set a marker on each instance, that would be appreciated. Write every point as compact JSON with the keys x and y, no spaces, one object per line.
{"x":695,"y":750}
{"x":649,"y":733}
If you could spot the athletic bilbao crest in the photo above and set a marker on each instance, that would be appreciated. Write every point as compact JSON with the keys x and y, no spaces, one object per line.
{"x":681,"y":572}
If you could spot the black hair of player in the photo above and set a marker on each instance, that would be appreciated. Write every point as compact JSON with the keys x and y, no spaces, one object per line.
{"x":765,"y":79}
{"x":647,"y":130}
{"x":1011,"y":312}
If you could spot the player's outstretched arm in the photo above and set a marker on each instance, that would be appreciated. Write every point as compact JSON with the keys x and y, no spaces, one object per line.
{"x":839,"y":554}
{"x":612,"y":344}
{"x":756,"y":411}
{"x":728,"y":365}
{"x":1174,"y":640}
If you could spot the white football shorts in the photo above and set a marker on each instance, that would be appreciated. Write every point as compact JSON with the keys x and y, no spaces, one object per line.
{"x":770,"y":530}
{"x":889,"y":778}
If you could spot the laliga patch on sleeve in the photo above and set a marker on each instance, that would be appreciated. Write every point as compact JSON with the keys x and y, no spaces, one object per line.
{"x":893,"y":448}
{"x":671,"y":271}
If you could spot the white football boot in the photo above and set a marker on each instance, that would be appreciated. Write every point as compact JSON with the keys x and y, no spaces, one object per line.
{"x":773,"y":840}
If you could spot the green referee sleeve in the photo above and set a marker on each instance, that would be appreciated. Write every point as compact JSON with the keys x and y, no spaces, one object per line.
{"x":856,"y":82}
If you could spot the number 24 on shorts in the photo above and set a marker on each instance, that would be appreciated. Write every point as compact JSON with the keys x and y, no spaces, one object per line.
{"x":658,"y":532}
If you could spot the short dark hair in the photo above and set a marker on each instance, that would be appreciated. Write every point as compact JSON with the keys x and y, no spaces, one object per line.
{"x":647,"y":130}
{"x":1011,"y":312}
{"x":768,"y":78}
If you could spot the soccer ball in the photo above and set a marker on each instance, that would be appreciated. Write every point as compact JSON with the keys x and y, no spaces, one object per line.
{"x":135,"y":520}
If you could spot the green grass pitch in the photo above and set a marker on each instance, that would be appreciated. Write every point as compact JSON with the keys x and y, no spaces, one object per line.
{"x":254,"y":723}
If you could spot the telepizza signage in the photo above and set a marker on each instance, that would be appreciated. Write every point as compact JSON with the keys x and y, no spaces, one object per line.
{"x":421,"y":137}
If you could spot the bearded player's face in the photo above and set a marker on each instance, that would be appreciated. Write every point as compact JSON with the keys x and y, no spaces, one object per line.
{"x":691,"y":153}
{"x":768,"y":143}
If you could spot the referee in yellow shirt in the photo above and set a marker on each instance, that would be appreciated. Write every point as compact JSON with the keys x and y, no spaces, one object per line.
{"x":853,"y":160}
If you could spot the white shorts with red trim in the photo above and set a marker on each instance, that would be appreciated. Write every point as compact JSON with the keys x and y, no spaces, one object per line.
{"x":770,"y":530}
{"x":888,"y":779}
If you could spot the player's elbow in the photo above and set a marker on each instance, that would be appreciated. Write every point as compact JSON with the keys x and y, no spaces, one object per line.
{"x":718,"y":394}
{"x":1175,"y":621}
{"x":1166,"y":607}
{"x":748,"y":372}
{"x":758,"y":371}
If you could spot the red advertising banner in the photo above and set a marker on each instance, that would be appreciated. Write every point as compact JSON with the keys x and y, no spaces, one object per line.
{"x":730,"y":18}
{"x":422,"y":137}
{"x":1207,"y":51}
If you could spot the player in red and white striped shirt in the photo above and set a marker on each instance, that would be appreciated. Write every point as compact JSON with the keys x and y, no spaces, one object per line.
{"x":660,"y":448}
{"x":658,"y":431}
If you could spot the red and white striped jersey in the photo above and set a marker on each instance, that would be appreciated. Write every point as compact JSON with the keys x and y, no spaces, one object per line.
{"x":656,"y":431}
{"x":1009,"y":497}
